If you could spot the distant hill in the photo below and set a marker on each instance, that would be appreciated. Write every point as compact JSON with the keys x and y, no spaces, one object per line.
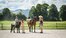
{"x":1,"y":11}
{"x":25,"y":12}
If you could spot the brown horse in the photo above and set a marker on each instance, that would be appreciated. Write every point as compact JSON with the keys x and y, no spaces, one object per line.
{"x":32,"y":25}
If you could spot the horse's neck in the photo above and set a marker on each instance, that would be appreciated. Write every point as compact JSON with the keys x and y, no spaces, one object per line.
{"x":33,"y":21}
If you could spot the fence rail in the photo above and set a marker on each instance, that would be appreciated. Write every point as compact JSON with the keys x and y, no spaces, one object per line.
{"x":45,"y":26}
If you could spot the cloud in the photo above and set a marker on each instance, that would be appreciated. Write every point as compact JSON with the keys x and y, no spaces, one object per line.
{"x":27,"y":4}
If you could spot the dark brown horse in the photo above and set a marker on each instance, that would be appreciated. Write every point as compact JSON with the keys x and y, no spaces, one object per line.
{"x":32,"y":25}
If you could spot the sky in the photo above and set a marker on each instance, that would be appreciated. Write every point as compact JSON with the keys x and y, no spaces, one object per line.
{"x":27,"y":4}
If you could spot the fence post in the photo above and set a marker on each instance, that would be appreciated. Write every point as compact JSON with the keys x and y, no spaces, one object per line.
{"x":1,"y":26}
{"x":56,"y":25}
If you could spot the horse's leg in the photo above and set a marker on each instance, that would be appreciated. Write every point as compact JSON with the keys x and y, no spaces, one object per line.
{"x":14,"y":28}
{"x":31,"y":28}
{"x":19,"y":29}
{"x":11,"y":28}
{"x":34,"y":27}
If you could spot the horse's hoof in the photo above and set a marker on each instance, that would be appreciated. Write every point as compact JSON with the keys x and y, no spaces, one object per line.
{"x":10,"y":31}
{"x":19,"y":32}
{"x":41,"y":32}
{"x":34,"y":32}
{"x":14,"y":32}
{"x":23,"y":32}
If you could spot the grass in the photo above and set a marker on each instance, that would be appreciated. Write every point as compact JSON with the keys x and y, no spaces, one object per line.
{"x":46,"y":25}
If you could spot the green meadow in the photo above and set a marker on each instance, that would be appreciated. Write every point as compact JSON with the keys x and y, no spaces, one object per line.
{"x":46,"y":25}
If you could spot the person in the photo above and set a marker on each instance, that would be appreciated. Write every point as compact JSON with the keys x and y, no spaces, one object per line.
{"x":41,"y":23}
{"x":16,"y":20}
{"x":22,"y":24}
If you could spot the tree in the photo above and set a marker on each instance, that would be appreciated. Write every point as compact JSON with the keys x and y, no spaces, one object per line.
{"x":31,"y":12}
{"x":37,"y":10}
{"x":63,"y":12}
{"x":1,"y":16}
{"x":53,"y":13}
{"x":6,"y":14}
{"x":40,"y":9}
{"x":13,"y":16}
{"x":44,"y":11}
{"x":24,"y":17}
{"x":21,"y":16}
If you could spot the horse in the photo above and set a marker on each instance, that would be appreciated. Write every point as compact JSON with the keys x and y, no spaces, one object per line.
{"x":17,"y":25}
{"x":31,"y":24}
